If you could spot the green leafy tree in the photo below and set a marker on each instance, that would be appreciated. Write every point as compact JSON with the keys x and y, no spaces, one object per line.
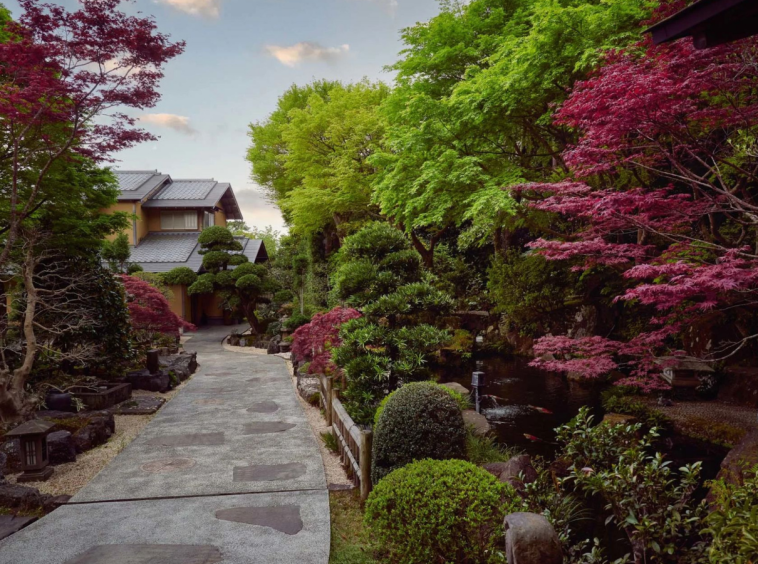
{"x":470,"y":114}
{"x":241,"y":288}
{"x":394,"y":340}
{"x":315,"y":161}
{"x":117,"y":252}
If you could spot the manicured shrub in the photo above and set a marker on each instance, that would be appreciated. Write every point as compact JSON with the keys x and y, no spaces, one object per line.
{"x":462,"y":401}
{"x":296,"y":321}
{"x":440,"y":511}
{"x":134,"y":268}
{"x":421,"y":420}
{"x":180,"y":276}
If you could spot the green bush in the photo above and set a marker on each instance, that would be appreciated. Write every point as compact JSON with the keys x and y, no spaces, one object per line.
{"x":440,"y":511}
{"x":421,"y":420}
{"x":180,"y":276}
{"x":134,"y":268}
{"x":617,"y":400}
{"x":462,"y":401}
{"x":733,"y":526}
{"x":295,"y":321}
{"x":284,"y":296}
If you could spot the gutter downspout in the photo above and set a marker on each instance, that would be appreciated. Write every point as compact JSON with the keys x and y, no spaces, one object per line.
{"x":134,"y":223}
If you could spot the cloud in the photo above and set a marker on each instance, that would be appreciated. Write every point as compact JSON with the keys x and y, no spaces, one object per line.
{"x":205,"y":8}
{"x":306,"y":51}
{"x":171,"y":121}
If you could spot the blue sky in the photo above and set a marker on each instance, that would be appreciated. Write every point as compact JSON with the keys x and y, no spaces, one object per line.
{"x":241,"y":55}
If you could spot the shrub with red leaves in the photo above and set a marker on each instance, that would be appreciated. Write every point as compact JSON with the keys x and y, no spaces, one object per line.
{"x":149,"y":310}
{"x":663,"y":193}
{"x":314,"y":341}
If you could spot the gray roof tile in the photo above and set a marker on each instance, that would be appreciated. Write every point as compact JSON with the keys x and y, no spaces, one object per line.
{"x":129,"y":180}
{"x":186,"y":190}
{"x":165,"y":247}
{"x":162,"y":252}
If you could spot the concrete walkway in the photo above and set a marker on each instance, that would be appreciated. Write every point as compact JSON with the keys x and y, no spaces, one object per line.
{"x":227,"y":472}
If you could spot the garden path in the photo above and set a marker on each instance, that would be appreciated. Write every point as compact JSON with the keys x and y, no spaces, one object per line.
{"x":227,"y":472}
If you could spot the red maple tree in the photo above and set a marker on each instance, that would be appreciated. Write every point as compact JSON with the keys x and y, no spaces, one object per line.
{"x":65,"y":80}
{"x":315,"y":341}
{"x":149,"y":310}
{"x":663,"y":190}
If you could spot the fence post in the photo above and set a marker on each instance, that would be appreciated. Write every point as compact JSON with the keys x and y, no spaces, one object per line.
{"x":328,"y":401}
{"x":365,"y":463}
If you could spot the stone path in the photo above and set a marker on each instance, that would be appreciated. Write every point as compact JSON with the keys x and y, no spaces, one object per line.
{"x":228,"y":472}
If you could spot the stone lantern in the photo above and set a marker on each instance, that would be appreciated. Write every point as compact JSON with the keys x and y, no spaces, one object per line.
{"x":32,"y":437}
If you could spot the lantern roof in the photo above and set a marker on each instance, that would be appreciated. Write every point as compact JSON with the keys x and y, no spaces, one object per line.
{"x":33,"y":427}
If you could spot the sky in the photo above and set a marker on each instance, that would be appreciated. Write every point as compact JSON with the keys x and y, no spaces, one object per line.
{"x":240,"y":56}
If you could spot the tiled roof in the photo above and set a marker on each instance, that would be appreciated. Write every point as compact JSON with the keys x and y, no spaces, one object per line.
{"x":186,"y":190}
{"x":162,"y":252}
{"x":165,"y":247}
{"x":130,"y":180}
{"x":136,"y":185}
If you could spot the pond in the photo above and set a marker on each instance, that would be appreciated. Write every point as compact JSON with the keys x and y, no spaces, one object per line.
{"x":530,"y":403}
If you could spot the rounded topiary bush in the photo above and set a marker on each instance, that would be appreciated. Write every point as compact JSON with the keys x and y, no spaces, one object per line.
{"x":420,"y":420}
{"x":440,"y":511}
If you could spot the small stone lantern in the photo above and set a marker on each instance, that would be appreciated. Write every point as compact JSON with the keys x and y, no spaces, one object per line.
{"x":32,"y":437}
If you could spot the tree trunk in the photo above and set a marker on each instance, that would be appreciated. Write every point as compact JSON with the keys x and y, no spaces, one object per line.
{"x":14,"y":405}
{"x":427,"y":255}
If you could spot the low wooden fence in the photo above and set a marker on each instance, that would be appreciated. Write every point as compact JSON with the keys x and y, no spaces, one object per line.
{"x":353,"y":442}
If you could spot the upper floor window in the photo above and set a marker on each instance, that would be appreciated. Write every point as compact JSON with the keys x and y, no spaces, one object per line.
{"x":179,"y":220}
{"x":209,"y":219}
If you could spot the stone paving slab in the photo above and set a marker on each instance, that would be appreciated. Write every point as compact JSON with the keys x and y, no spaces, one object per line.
{"x":217,"y":477}
{"x":211,"y":423}
{"x":140,"y":530}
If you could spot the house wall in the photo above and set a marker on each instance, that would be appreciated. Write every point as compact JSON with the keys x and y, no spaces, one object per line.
{"x":211,"y":307}
{"x":220,"y":218}
{"x":132,"y":208}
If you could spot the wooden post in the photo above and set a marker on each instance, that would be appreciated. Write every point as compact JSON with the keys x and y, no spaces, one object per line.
{"x":365,"y":462}
{"x":328,"y":401}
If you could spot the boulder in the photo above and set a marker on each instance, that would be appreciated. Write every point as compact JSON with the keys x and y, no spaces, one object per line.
{"x":27,"y":499}
{"x":99,"y":428}
{"x":307,"y":386}
{"x":456,"y":387}
{"x":273,"y":344}
{"x":740,"y":460}
{"x":61,"y":447}
{"x":618,"y":419}
{"x":182,"y":365}
{"x":531,"y":539}
{"x":517,"y":471}
{"x":477,"y":422}
{"x":285,"y":347}
{"x":144,"y":380}
{"x":3,"y":463}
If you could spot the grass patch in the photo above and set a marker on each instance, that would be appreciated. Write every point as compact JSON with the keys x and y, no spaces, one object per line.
{"x":330,"y":441}
{"x":710,"y":431}
{"x":350,"y":541}
{"x":482,"y":450}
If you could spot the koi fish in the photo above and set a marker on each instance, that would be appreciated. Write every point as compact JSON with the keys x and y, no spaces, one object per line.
{"x":541,"y":410}
{"x":533,"y":438}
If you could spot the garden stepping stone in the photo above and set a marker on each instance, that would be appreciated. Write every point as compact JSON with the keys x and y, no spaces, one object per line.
{"x":149,"y":554}
{"x":285,"y":518}
{"x":190,"y":439}
{"x":266,"y":427}
{"x":264,"y":407}
{"x":10,"y":524}
{"x":168,"y":465}
{"x":269,"y":473}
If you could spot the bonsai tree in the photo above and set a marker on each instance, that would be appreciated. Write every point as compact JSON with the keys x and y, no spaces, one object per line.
{"x":394,"y":341}
{"x":240,"y":284}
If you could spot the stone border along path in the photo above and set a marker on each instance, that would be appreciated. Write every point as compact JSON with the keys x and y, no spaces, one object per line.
{"x":217,"y":477}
